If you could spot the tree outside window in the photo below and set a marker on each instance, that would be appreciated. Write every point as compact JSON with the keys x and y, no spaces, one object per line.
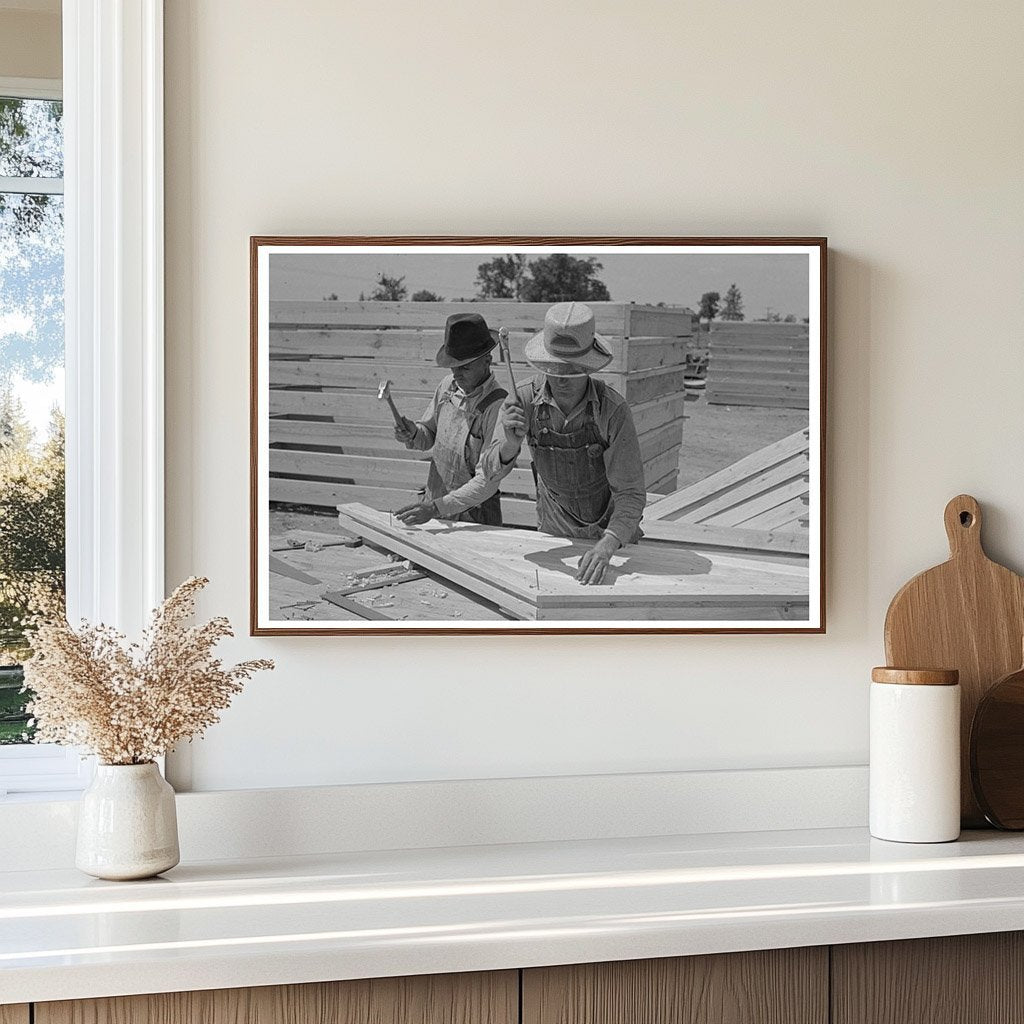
{"x":31,"y":385}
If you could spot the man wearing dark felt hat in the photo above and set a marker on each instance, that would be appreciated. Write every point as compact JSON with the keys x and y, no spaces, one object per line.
{"x":456,"y":427}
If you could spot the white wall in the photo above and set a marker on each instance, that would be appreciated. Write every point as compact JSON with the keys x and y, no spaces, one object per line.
{"x":895,"y":129}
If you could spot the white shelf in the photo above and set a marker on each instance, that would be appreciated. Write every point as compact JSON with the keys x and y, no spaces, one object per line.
{"x":353,"y":915}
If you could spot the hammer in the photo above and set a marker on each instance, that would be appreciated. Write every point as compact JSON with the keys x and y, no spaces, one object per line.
{"x":506,"y":355}
{"x":384,"y":391}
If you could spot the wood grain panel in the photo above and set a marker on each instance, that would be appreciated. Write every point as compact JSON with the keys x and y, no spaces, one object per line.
{"x":785,"y":986}
{"x":961,"y":979}
{"x":483,"y":998}
{"x":14,"y":1014}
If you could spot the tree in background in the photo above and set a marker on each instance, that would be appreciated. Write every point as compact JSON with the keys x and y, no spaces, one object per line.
{"x":31,"y":243}
{"x":426,"y":295}
{"x":564,"y":278}
{"x":501,"y":277}
{"x":389,"y":289}
{"x":709,"y":306}
{"x":789,"y":318}
{"x":31,"y":524}
{"x":733,"y":304}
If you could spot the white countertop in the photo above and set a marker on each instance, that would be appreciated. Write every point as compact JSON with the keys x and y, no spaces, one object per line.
{"x":352,"y":915}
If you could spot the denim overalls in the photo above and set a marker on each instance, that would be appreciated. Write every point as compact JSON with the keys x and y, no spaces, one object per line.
{"x":574,"y":498}
{"x":456,"y":452}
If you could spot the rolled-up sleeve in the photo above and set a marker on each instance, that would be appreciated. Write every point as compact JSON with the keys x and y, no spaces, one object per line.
{"x":490,"y":462}
{"x":625,"y":470}
{"x":426,"y":425}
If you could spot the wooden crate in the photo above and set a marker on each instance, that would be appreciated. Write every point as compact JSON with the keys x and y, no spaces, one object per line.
{"x":763,"y":364}
{"x":332,"y":441}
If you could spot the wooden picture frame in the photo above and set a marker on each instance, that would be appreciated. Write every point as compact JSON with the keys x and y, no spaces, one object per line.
{"x":735,"y":545}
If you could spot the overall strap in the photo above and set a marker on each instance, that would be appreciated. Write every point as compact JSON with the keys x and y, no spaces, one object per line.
{"x":497,"y":395}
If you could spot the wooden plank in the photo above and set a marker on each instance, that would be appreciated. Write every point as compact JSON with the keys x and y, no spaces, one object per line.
{"x":760,"y":401}
{"x":418,"y":382}
{"x":709,"y":510}
{"x":725,"y":537}
{"x":391,"y":580}
{"x":660,"y":321}
{"x":758,"y":329}
{"x":750,"y":465}
{"x":762,"y":503}
{"x":654,"y":414}
{"x":770,"y":609}
{"x":14,"y":1014}
{"x":960,"y":979}
{"x":402,"y":474}
{"x":282,"y":568}
{"x":751,"y":384}
{"x":643,"y":353}
{"x":491,"y":996}
{"x":642,"y":576}
{"x":777,"y":986}
{"x":791,"y":515}
{"x":654,"y":442}
{"x":363,"y":611}
{"x":419,"y":347}
{"x":663,"y":485}
{"x":328,"y":495}
{"x":662,"y":465}
{"x":523,"y":316}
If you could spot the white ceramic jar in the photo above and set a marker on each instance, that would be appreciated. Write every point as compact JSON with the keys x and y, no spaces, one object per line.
{"x":915,"y":755}
{"x":127,"y":823}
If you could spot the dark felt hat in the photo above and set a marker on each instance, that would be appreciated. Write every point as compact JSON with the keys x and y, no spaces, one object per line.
{"x":466,"y":337}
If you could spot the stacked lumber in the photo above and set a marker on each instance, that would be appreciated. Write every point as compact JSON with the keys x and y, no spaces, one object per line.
{"x":532,"y":575}
{"x":766,"y":491}
{"x":765,"y":364}
{"x":331,"y":440}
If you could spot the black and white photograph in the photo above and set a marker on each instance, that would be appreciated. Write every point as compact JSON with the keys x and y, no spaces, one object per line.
{"x":537,"y":435}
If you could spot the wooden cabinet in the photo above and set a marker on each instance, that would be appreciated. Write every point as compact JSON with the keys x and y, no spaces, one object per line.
{"x":962,"y":979}
{"x":967,"y":979}
{"x":778,"y":986}
{"x":491,"y":998}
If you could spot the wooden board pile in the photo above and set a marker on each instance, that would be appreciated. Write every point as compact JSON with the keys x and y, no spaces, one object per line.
{"x":767,"y":491}
{"x":531,"y":575}
{"x":762,"y":364}
{"x":332,"y":441}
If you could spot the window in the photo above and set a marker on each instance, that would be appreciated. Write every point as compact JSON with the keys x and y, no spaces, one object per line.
{"x":112,"y":208}
{"x":32,"y":532}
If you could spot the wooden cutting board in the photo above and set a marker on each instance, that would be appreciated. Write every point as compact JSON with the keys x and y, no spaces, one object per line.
{"x":967,"y":614}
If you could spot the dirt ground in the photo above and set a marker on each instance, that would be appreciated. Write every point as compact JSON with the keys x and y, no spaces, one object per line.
{"x":715,"y":436}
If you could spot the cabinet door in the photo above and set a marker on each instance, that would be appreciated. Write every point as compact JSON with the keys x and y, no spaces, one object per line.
{"x":490,"y":998}
{"x":961,"y":979}
{"x":14,"y":1014}
{"x":779,"y":986}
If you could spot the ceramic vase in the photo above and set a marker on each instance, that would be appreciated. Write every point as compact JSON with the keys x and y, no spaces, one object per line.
{"x":127,"y":825}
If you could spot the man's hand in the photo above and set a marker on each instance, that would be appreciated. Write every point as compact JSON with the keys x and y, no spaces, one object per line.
{"x":594,"y":564}
{"x":406,"y":432}
{"x":513,"y":419}
{"x":417,"y":515}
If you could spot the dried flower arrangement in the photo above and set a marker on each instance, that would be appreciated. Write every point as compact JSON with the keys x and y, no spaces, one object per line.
{"x":130,"y":703}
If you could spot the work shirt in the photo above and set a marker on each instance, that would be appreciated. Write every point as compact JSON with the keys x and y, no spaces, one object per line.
{"x":623,"y":464}
{"x":480,"y":487}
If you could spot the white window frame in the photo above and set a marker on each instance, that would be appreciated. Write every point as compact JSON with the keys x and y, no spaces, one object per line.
{"x":114,"y":264}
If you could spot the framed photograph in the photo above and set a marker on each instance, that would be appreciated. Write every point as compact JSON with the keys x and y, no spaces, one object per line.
{"x":537,"y":435}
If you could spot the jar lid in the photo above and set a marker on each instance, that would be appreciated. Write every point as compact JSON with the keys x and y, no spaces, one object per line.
{"x":916,"y":676}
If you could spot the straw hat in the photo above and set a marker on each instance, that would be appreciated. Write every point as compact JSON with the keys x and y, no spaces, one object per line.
{"x":568,"y":345}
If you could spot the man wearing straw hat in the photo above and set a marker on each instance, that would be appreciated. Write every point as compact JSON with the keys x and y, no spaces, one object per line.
{"x":456,"y":427}
{"x":586,"y":456}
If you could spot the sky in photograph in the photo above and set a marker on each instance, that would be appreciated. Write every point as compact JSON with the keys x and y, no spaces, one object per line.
{"x":777,"y":281}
